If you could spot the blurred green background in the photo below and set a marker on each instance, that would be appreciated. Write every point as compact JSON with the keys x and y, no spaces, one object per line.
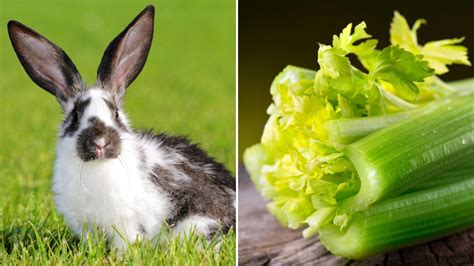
{"x":187,"y":86}
{"x":273,"y":34}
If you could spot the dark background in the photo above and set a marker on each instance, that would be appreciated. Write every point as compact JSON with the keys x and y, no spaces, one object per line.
{"x":273,"y":34}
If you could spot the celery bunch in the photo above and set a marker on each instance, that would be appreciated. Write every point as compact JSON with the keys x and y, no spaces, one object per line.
{"x":315,"y":162}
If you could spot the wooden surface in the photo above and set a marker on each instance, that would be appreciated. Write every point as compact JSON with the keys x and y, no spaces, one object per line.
{"x":263,"y":241}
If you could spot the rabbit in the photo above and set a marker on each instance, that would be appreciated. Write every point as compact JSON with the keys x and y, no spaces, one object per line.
{"x":127,"y":183}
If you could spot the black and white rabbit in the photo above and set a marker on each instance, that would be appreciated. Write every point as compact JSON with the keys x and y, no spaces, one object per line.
{"x":110,"y":175}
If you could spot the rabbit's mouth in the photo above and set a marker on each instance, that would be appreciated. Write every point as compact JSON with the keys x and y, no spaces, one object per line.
{"x":98,"y":142}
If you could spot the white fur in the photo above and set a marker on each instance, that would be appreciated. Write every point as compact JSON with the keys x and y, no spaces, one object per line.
{"x":115,"y":192}
{"x":195,"y":222}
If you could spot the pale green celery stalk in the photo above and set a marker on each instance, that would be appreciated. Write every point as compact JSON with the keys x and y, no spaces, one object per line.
{"x":403,"y":221}
{"x":344,"y":131}
{"x":394,"y":159}
{"x":456,"y":174}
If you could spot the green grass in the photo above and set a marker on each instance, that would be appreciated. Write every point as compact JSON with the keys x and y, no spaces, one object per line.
{"x":187,"y":87}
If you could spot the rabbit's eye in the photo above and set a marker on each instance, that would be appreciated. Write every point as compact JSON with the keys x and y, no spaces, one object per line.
{"x":75,"y":116}
{"x":116,"y":114}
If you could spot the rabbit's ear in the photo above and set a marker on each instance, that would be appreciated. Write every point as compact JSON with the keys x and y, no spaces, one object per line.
{"x":46,"y":64}
{"x":126,"y":55}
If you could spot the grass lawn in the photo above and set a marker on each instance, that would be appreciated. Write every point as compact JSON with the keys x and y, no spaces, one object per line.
{"x":187,"y":87}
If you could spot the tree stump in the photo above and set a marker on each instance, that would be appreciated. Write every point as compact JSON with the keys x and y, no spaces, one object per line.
{"x":263,"y":241}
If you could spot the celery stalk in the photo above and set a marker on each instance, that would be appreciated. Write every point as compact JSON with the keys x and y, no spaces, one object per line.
{"x":404,"y":221}
{"x":344,"y":131}
{"x":458,"y":173}
{"x":394,"y":159}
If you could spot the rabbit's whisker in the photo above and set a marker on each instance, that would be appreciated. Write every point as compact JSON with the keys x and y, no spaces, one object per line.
{"x":84,"y":188}
{"x":126,"y":171}
{"x":79,"y":178}
{"x":131,"y":151}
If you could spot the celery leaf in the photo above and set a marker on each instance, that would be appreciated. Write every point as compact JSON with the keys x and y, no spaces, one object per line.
{"x":401,"y":69}
{"x":437,"y":53}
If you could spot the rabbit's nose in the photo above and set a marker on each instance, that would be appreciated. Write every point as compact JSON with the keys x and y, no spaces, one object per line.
{"x":99,"y":143}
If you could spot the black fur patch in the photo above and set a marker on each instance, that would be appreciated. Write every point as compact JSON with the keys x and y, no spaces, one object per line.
{"x":141,"y":229}
{"x":97,"y":129}
{"x":164,"y":179}
{"x":210,"y":192}
{"x":74,"y":117}
{"x":213,"y":231}
{"x":195,"y":155}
